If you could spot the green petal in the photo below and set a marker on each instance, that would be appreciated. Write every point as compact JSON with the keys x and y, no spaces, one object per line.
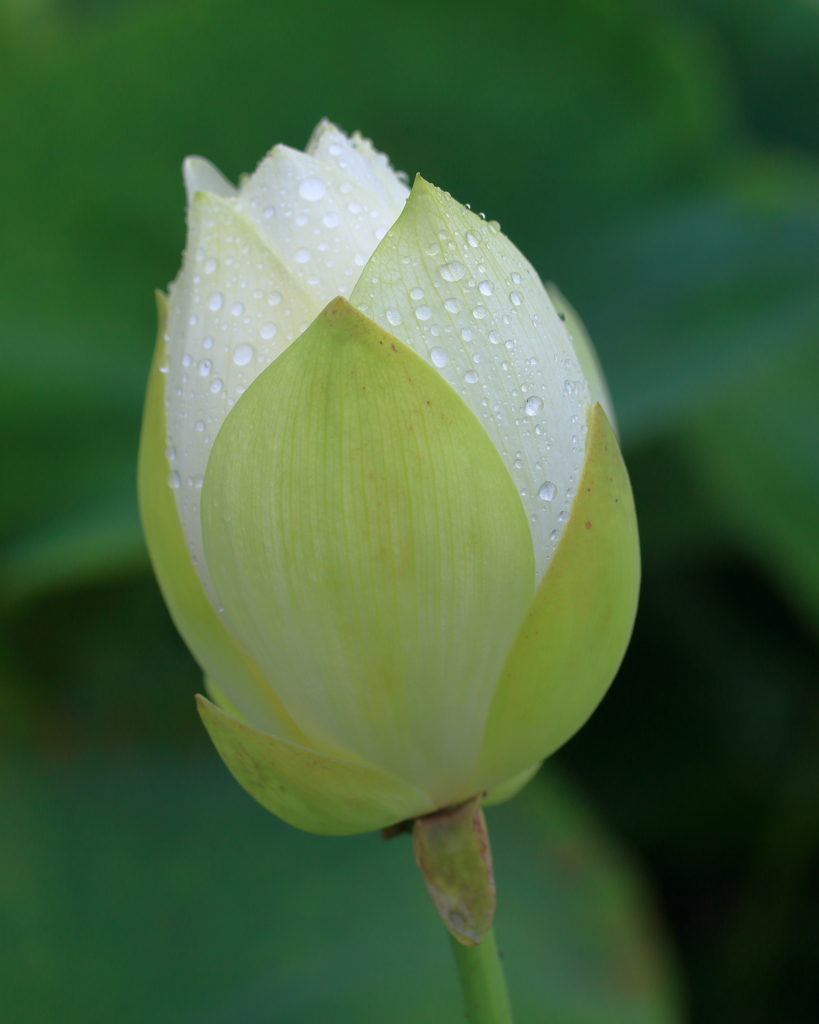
{"x":506,"y":790}
{"x":577,"y":629}
{"x":585,"y":351}
{"x":370,"y":550}
{"x":234,"y":673}
{"x":464,"y":298}
{"x":313,"y":791}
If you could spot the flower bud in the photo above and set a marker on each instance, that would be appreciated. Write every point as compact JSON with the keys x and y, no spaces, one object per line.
{"x":381,"y":492}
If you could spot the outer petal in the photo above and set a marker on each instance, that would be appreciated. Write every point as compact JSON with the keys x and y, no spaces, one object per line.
{"x":577,"y":629}
{"x":370,"y":550}
{"x":459,"y":293}
{"x":233,"y":309}
{"x":315,"y":792}
{"x":585,"y":350}
{"x":506,"y":790}
{"x":234,"y":672}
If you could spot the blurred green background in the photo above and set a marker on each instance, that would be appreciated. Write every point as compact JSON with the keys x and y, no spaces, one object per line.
{"x":659,"y":159}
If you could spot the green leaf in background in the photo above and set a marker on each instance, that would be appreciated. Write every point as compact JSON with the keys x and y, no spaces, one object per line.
{"x":157,"y":891}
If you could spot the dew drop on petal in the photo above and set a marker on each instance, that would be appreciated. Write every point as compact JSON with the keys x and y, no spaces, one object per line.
{"x":302,"y":255}
{"x":479,"y":312}
{"x":331,"y":220}
{"x":215,"y":386}
{"x":174,"y":480}
{"x":452,"y":305}
{"x":210,"y":265}
{"x":205,"y":367}
{"x":237,"y":308}
{"x":514,"y":298}
{"x":215,"y":301}
{"x":486,"y":287}
{"x":312,"y":189}
{"x":533,"y":405}
{"x":268,"y":330}
{"x":495,"y":337}
{"x":473,"y":239}
{"x":453,"y":271}
{"x":439,"y":356}
{"x":393,"y":316}
{"x":547,"y":491}
{"x":417,"y":293}
{"x":471,"y":377}
{"x":242,"y":354}
{"x":274,"y":298}
{"x":423,"y":312}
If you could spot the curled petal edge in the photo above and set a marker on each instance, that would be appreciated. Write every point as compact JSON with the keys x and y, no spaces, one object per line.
{"x":313,"y":791}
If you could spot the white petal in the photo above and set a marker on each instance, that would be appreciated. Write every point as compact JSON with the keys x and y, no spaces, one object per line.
{"x":324,"y":221}
{"x":201,"y":176}
{"x":232,"y":310}
{"x":394,"y":185}
{"x":358,"y":158}
{"x":464,"y":298}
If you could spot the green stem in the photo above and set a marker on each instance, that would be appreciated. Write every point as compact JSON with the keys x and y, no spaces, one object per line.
{"x":483,"y":985}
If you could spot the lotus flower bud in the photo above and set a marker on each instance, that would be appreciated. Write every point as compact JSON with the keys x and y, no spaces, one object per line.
{"x":381,"y":491}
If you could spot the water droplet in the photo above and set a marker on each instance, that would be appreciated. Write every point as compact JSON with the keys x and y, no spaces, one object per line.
{"x":453,"y":271}
{"x":205,"y":367}
{"x":471,"y":377}
{"x":416,"y":294}
{"x":215,"y":301}
{"x":554,"y":535}
{"x":331,"y":220}
{"x":210,"y":265}
{"x":237,"y":308}
{"x":569,"y":387}
{"x":268,"y":212}
{"x":243,"y":354}
{"x":174,"y":479}
{"x":199,"y":480}
{"x":274,"y":298}
{"x":518,"y":463}
{"x":208,"y":342}
{"x":186,"y":360}
{"x":515,"y":277}
{"x":268,"y":330}
{"x":495,"y":337}
{"x":379,"y":233}
{"x":452,"y":305}
{"x":170,"y":453}
{"x":473,"y":239}
{"x":563,"y":517}
{"x":354,"y":207}
{"x":486,"y":287}
{"x":312,"y":189}
{"x":514,"y":298}
{"x":479,"y":312}
{"x":200,"y":425}
{"x":302,"y":255}
{"x":360,"y":259}
{"x":547,"y":491}
{"x":393,"y":316}
{"x":423,"y":312}
{"x":215,"y":386}
{"x":533,"y":405}
{"x":439,"y":357}
{"x":466,"y":334}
